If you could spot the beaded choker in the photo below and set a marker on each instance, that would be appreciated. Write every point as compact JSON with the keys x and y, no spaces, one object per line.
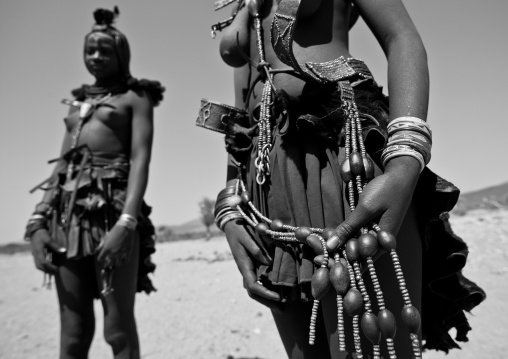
{"x":92,"y":91}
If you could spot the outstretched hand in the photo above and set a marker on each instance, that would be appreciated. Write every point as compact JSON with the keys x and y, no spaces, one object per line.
{"x":248,"y":255}
{"x":385,"y":199}
{"x":41,"y":243}
{"x":115,"y":248}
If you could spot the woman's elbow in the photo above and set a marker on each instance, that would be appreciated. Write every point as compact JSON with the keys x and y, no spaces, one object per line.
{"x":409,"y":42}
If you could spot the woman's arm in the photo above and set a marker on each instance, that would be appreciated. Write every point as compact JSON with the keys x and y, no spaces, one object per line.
{"x":140,"y":153}
{"x":41,"y":241}
{"x":117,"y":242}
{"x":247,"y":252}
{"x":408,"y":75}
{"x":387,"y":197}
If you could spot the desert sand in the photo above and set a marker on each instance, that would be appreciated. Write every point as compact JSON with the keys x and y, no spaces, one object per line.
{"x":202,"y":311}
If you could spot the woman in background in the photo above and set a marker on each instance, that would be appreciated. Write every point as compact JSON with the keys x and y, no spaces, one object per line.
{"x":91,"y":230}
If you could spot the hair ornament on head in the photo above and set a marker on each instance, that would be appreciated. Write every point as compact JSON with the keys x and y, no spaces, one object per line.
{"x":105,"y":17}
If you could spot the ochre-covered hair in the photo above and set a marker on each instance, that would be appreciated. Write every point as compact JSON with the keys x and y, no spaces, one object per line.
{"x":104,"y":19}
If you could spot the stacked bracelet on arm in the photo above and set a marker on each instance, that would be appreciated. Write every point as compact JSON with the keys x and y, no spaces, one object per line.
{"x":408,"y":136}
{"x":223,"y":211}
{"x":38,"y":220}
{"x":128,"y":221}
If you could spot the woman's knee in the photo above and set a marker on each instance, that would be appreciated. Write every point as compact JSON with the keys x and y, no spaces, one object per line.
{"x":76,"y":335}
{"x":120,"y":333}
{"x":117,"y":339}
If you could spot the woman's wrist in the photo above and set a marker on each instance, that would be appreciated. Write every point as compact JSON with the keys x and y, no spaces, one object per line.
{"x":237,"y":222}
{"x":407,"y":165}
{"x":127,"y":221}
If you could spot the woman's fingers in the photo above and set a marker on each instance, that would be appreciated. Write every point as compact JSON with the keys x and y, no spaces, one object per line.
{"x":42,"y":263}
{"x":241,"y":238}
{"x":255,"y":250}
{"x":250,"y":281}
{"x":360,"y":217}
{"x":257,"y":291}
{"x":245,"y":251}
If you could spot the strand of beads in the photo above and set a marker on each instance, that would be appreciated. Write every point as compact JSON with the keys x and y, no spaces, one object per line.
{"x":368,"y":243}
{"x":369,"y":321}
{"x":262,"y":160}
{"x":320,"y":284}
{"x":275,"y":229}
{"x":356,"y":170}
{"x":410,"y":315}
{"x":339,"y":277}
{"x":367,"y":247}
{"x":353,"y":305}
{"x":264,"y":145}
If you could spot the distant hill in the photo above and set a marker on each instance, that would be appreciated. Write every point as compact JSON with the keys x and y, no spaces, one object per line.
{"x":487,"y":198}
{"x":493,"y":197}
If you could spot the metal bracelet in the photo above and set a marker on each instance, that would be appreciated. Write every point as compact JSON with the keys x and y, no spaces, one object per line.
{"x":128,"y":221}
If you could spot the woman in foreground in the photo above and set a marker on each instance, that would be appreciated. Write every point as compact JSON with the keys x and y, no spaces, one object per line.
{"x":325,"y":171}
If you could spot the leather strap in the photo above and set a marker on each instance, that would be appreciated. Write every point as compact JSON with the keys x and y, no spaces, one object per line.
{"x":216,"y":116}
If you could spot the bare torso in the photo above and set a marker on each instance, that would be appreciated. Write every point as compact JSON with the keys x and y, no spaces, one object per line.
{"x":321,"y":35}
{"x":109,"y":128}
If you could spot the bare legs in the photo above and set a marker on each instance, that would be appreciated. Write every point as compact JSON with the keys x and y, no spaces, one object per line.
{"x":119,"y":323}
{"x":77,"y":285}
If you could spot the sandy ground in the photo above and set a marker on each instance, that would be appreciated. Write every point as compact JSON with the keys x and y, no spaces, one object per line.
{"x":202,"y":311}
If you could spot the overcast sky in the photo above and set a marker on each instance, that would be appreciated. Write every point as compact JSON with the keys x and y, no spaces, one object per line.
{"x":41,"y":61}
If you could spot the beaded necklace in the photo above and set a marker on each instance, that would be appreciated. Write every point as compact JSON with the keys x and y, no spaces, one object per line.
{"x":264,"y":146}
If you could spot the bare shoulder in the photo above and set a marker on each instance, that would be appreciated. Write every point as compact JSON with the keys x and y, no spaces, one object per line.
{"x":138,"y":98}
{"x":385,"y":18}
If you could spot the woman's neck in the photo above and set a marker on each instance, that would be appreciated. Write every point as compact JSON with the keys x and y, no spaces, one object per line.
{"x":109,"y":82}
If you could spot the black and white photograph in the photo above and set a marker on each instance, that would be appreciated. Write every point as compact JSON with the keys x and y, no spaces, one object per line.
{"x":253,"y":179}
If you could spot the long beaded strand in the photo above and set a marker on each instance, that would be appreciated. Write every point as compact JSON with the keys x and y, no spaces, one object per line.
{"x":410,"y":315}
{"x":355,"y":164}
{"x":262,"y":161}
{"x":320,"y":282}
